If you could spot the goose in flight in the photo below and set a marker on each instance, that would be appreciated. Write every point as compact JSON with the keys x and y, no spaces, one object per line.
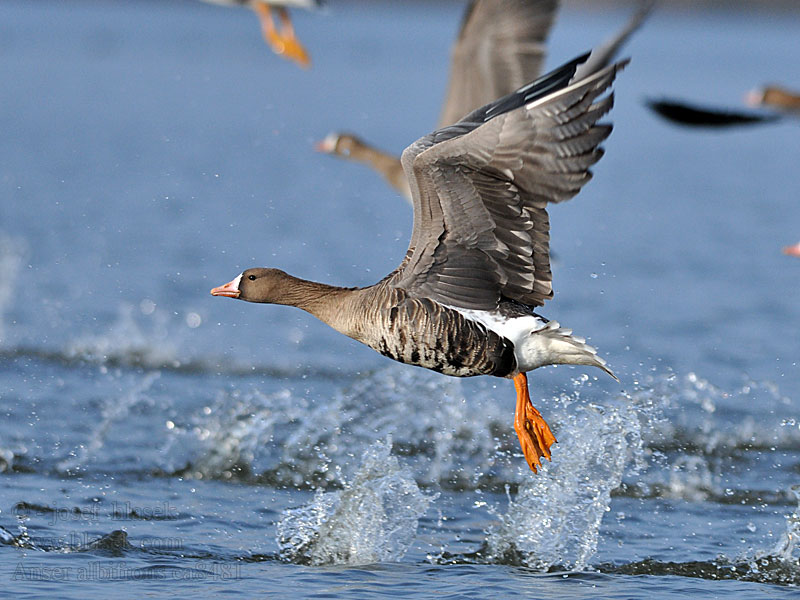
{"x":462,"y":300}
{"x":779,"y":102}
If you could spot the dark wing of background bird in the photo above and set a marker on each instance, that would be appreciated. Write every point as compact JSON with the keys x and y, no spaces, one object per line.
{"x":692,"y":115}
{"x":500,"y":47}
{"x":480,"y":188}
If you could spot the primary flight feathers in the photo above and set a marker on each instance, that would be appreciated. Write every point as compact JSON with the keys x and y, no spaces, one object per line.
{"x":481,"y":230}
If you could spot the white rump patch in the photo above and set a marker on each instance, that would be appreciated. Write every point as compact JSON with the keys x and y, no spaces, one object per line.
{"x":538,"y":343}
{"x":516,"y":329}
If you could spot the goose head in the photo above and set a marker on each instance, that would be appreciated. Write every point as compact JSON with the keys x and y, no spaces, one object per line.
{"x":342,"y":144}
{"x":256,"y":285}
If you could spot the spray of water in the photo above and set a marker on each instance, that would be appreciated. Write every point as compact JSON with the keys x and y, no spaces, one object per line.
{"x":787,"y":549}
{"x":692,"y":449}
{"x":113,"y":411}
{"x":12,"y":252}
{"x":299,"y":440}
{"x":373,"y":519}
{"x":139,"y":337}
{"x":624,"y":443}
{"x":554,"y":520}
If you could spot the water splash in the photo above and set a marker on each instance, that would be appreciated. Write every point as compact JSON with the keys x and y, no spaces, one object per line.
{"x":139,"y":337}
{"x":778,"y":566}
{"x":690,"y":478}
{"x":787,"y":550}
{"x":299,"y":440}
{"x":554,"y":520}
{"x":113,"y":411}
{"x":230,"y":438}
{"x":706,"y":432}
{"x":373,"y":519}
{"x":427,"y":415}
{"x":6,"y":459}
{"x":460,"y":437}
{"x":12,"y":252}
{"x":696,"y":406}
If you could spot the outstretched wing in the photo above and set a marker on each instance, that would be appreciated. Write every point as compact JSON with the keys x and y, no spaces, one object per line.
{"x":500,"y":47}
{"x":480,"y":188}
{"x":603,"y":54}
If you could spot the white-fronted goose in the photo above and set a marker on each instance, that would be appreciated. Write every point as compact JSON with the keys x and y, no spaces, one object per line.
{"x":462,"y":300}
{"x":694,"y":115}
{"x":501,"y":45}
{"x":782,"y":101}
{"x":282,"y":41}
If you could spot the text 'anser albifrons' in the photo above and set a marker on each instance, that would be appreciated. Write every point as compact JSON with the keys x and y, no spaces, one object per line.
{"x":462,"y":300}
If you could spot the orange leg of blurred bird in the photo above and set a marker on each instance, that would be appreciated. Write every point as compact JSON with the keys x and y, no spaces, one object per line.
{"x":533,"y":431}
{"x":283,"y":42}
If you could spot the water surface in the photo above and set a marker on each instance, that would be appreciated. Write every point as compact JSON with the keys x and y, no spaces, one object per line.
{"x":159,"y":441}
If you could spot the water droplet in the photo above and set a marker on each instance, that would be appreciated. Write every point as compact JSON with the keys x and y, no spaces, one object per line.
{"x":147,"y":306}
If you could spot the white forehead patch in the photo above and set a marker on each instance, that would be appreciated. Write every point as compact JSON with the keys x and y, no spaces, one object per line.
{"x":330,"y":141}
{"x":237,"y":281}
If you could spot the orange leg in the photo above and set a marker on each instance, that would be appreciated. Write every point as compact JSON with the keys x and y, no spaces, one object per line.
{"x":533,"y":431}
{"x":283,"y":42}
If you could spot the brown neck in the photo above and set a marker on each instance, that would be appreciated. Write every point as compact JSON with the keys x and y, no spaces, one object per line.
{"x":377,"y":159}
{"x":387,"y":165}
{"x":326,"y":302}
{"x":782,"y":98}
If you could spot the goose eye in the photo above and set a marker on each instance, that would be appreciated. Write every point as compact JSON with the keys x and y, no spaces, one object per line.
{"x":251,"y":277}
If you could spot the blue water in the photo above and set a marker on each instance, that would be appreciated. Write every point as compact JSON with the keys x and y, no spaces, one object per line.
{"x":152,"y":150}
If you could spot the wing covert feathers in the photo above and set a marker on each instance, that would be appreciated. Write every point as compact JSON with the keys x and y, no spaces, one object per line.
{"x":480,"y":190}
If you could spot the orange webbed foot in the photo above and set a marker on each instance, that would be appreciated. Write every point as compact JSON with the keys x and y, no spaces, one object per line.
{"x":534,"y":433}
{"x":283,"y":42}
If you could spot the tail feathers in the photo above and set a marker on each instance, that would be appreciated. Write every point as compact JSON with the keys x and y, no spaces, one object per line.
{"x":570,"y":349}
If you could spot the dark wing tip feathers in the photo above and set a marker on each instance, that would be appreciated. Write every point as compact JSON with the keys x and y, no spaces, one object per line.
{"x":544,"y":85}
{"x":548,"y":84}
